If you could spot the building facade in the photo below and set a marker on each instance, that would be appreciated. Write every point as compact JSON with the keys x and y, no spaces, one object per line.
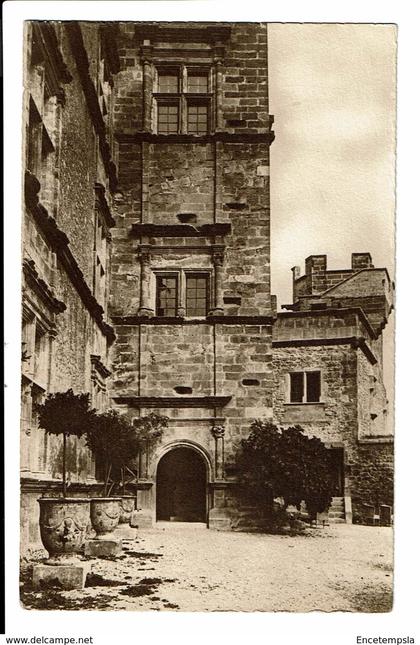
{"x":68,"y":178}
{"x":328,"y":371}
{"x":190,"y":283}
{"x":146,"y":267}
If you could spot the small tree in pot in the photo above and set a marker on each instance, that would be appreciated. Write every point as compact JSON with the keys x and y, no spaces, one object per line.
{"x":149,"y":430}
{"x":115,"y":443}
{"x":64,"y":520}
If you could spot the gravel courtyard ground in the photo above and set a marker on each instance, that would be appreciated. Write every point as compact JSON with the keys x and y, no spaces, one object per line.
{"x":189,"y":568}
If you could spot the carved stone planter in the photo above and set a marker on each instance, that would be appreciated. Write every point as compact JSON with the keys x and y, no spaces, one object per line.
{"x":105,"y":514}
{"x":128,"y":504}
{"x":63,"y":524}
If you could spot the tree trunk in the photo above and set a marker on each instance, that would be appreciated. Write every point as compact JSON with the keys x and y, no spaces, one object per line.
{"x":64,"y":464}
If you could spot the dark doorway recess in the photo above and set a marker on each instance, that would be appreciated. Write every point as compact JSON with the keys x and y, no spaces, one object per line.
{"x":337,"y":470}
{"x":181,"y":487}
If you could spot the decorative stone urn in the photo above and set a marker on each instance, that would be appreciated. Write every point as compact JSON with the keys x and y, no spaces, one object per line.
{"x":105,"y":514}
{"x":63,"y":524}
{"x":128,"y":504}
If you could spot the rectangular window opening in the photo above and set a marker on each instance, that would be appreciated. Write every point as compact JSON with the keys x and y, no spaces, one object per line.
{"x":166,"y":295}
{"x":197,"y":119}
{"x":313,"y":387}
{"x":198,"y":83}
{"x":168,"y":119}
{"x":168,"y":83}
{"x":196,"y":295}
{"x":296,"y":387}
{"x":305,"y":387}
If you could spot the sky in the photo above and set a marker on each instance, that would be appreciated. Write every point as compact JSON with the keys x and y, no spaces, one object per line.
{"x":333,"y":93}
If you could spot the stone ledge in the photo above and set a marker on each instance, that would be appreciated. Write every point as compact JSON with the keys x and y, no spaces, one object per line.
{"x":210,"y":320}
{"x":174,"y":401}
{"x":180,"y":230}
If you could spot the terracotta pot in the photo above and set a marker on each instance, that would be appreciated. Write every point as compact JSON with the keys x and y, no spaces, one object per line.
{"x":63,"y":524}
{"x":105,"y":514}
{"x":128,"y":504}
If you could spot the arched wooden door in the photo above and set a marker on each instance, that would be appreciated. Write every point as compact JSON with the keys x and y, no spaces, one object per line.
{"x":181,"y":486}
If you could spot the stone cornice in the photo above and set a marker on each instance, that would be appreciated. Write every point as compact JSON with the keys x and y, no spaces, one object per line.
{"x":102,"y":370}
{"x":82,"y":62}
{"x":210,"y":320}
{"x":180,"y":230}
{"x":109,"y":33}
{"x":369,"y":440}
{"x":55,"y":67}
{"x":353,"y":341}
{"x":224,"y":137}
{"x":173,"y":401}
{"x":59,"y":242}
{"x":184,"y":32}
{"x":102,"y":204}
{"x":32,"y":485}
{"x":41,"y":288}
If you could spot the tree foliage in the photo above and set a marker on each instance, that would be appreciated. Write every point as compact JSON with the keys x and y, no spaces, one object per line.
{"x":285,"y":463}
{"x":65,"y":412}
{"x":150,"y":427}
{"x":114,"y":442}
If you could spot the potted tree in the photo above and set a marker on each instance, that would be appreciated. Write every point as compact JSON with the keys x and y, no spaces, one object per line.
{"x":64,"y":520}
{"x":149,"y":429}
{"x":114,"y":442}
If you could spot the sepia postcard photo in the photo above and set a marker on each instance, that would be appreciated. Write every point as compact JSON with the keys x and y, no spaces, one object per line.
{"x":207,"y":315}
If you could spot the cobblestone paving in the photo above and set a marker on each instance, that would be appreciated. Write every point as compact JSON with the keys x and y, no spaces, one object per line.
{"x":342,"y":567}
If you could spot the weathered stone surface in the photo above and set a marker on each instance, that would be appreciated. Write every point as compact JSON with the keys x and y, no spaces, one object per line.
{"x":103,"y":548}
{"x":142,"y":519}
{"x":124,"y":532}
{"x":71,"y":576}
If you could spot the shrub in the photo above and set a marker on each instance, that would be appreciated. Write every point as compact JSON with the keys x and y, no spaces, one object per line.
{"x":286,"y":465}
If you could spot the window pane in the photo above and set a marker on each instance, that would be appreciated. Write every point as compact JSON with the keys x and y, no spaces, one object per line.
{"x":168,"y":83}
{"x":167,"y":119}
{"x":166,"y":295}
{"x":296,"y":387}
{"x":196,"y":301}
{"x":198,"y":83}
{"x":197,"y":119}
{"x":313,"y":386}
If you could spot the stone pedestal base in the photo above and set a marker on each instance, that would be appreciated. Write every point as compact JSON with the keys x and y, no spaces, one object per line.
{"x":220,"y":519}
{"x":103,"y":548}
{"x":142,"y":519}
{"x":125,"y":532}
{"x":66,"y":576}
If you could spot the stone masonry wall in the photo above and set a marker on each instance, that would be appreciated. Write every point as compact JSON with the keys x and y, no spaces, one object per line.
{"x":345,"y":380}
{"x":77,"y":168}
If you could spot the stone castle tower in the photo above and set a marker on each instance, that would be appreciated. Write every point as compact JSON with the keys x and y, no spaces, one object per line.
{"x":190,"y":284}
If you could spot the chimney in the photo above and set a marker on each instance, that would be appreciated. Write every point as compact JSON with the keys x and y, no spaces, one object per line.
{"x":361,"y":261}
{"x":316,"y":268}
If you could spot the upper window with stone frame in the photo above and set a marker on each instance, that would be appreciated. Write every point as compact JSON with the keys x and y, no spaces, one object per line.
{"x":183,"y":100}
{"x":305,"y":387}
{"x":182,"y":293}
